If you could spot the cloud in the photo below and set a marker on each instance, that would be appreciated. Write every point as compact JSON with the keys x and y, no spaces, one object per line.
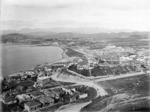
{"x":99,"y":13}
{"x":40,"y":7}
{"x":17,"y":24}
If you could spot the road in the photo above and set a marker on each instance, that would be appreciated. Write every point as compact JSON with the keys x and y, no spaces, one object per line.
{"x":79,"y":81}
{"x":121,"y":76}
{"x":72,"y":107}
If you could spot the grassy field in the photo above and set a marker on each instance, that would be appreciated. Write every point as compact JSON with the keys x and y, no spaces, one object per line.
{"x":135,"y":85}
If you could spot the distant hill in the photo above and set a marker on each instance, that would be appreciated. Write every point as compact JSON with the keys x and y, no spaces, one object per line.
{"x":79,"y":30}
{"x":40,"y":36}
{"x":15,"y":38}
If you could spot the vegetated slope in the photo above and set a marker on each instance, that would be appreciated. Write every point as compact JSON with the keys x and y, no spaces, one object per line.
{"x":14,"y":37}
{"x":20,"y":38}
{"x":81,"y":39}
{"x":120,"y":103}
{"x":126,"y":94}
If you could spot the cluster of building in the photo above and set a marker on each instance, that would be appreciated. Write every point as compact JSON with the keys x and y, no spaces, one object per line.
{"x":111,"y":60}
{"x":39,"y":99}
{"x":101,"y":70}
{"x":113,"y":55}
{"x":34,"y":89}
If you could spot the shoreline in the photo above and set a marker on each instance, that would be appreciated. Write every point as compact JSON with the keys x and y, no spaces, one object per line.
{"x":63,"y":56}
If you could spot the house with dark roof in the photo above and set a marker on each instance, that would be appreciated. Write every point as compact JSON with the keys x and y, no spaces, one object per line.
{"x":16,"y":78}
{"x":58,"y":91}
{"x":10,"y":100}
{"x":33,"y":105}
{"x":46,"y":101}
{"x":23,"y":97}
{"x":26,"y":83}
{"x":19,"y":88}
{"x":43,"y":80}
{"x":51,"y":93}
{"x":36,"y":94}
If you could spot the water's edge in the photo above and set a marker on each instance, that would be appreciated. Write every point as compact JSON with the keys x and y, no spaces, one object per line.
{"x":61,"y":57}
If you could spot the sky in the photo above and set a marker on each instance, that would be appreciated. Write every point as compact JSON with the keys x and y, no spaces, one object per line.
{"x":109,"y":14}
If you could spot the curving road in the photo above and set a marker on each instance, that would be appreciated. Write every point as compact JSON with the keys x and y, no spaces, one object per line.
{"x":76,"y":107}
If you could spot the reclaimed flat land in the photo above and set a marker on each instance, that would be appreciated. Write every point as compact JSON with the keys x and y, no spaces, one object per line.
{"x":71,"y":53}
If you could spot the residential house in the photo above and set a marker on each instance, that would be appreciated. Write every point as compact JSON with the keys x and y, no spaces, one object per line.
{"x":74,"y":97}
{"x":84,"y":95}
{"x":9,"y":100}
{"x":58,"y":91}
{"x":26,"y":83}
{"x":16,"y":78}
{"x":23,"y":97}
{"x":46,"y":101}
{"x":51,"y":93}
{"x":24,"y":77}
{"x":42,"y":81}
{"x":32,"y":105}
{"x":70,"y":98}
{"x":36,"y":94}
{"x":30,"y":72}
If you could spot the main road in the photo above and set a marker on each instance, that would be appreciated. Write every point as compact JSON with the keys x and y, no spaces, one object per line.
{"x":122,"y":76}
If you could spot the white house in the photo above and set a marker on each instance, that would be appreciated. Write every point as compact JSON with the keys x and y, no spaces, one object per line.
{"x":83,"y":95}
{"x":41,"y":81}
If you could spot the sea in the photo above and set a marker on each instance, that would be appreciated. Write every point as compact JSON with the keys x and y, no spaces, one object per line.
{"x":16,"y":58}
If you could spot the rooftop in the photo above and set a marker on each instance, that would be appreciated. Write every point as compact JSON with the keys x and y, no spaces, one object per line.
{"x":45,"y":99}
{"x":26,"y":83}
{"x":49,"y":93}
{"x":43,"y":78}
{"x":9,"y":99}
{"x":23,"y":96}
{"x":33,"y":103}
{"x":36,"y":93}
{"x":58,"y":90}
